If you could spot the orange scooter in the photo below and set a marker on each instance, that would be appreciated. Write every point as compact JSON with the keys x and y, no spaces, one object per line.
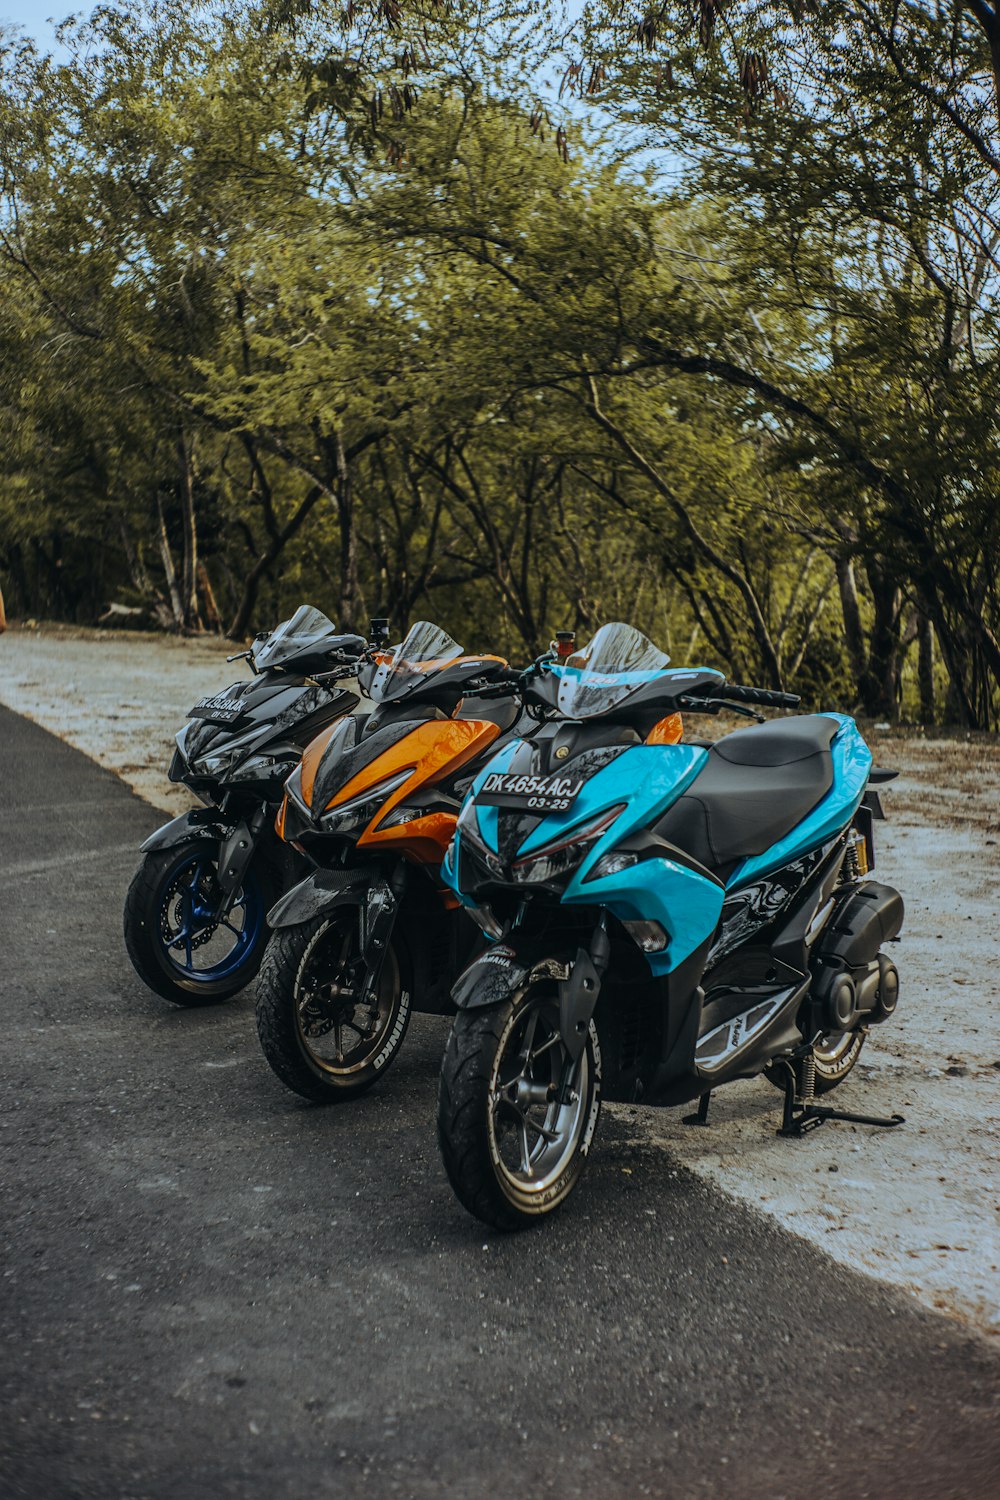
{"x":373,"y":803}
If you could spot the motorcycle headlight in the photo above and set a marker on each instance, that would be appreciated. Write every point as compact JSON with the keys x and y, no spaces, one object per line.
{"x":613,"y":863}
{"x":180,"y":740}
{"x":260,"y":768}
{"x":361,"y":809}
{"x":562,"y":855}
{"x":293,"y":789}
{"x":227,"y":754}
{"x":468,"y":827}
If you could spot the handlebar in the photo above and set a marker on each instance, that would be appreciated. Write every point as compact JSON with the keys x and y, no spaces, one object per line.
{"x":763,"y":696}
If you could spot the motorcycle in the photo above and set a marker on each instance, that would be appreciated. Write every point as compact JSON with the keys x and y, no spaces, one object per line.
{"x":666,"y":919}
{"x":370,"y":933}
{"x":195,"y":910}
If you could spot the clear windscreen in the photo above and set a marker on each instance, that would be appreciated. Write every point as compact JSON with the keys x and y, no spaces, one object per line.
{"x":306,"y":628}
{"x":615,"y":663}
{"x":426,"y":650}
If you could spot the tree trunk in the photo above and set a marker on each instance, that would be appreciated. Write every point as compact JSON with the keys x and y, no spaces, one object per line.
{"x":925,"y":666}
{"x":880,"y":682}
{"x":190,"y":617}
{"x":141,"y":581}
{"x":211,"y":609}
{"x":169,"y":571}
{"x":350,"y":591}
{"x":854,"y":635}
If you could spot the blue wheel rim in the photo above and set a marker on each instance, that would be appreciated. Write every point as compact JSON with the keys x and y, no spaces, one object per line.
{"x":188,"y":922}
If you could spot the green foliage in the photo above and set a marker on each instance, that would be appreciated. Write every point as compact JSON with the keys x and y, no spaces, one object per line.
{"x":310,"y":303}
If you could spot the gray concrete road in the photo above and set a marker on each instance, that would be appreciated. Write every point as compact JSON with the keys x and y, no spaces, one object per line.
{"x":212,"y":1290}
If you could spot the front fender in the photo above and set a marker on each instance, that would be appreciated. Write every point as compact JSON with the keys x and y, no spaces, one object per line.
{"x":498,"y":974}
{"x":196,"y":823}
{"x":320,"y":892}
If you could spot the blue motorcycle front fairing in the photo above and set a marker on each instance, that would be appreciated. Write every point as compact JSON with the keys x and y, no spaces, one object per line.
{"x":645,"y":780}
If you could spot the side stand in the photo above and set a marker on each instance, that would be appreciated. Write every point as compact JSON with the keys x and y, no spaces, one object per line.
{"x":701,"y":1118}
{"x":803,"y":1114}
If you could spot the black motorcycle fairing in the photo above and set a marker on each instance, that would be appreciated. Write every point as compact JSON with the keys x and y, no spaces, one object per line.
{"x":648,"y":845}
{"x":803,"y":921}
{"x":581,"y":745}
{"x":747,"y":911}
{"x":321,"y":891}
{"x":645,"y":704}
{"x":196,"y":823}
{"x":283,"y":706}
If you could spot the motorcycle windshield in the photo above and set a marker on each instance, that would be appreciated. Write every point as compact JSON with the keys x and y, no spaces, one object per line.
{"x":426,"y":650}
{"x":614,"y":664}
{"x":306,"y":628}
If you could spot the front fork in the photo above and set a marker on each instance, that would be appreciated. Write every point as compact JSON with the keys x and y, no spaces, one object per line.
{"x":378,"y":918}
{"x":578,"y":996}
{"x":236,"y":851}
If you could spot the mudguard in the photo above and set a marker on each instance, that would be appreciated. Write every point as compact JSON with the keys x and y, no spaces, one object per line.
{"x":492,"y":978}
{"x":497,"y":975}
{"x":196,"y":823}
{"x":321,"y":891}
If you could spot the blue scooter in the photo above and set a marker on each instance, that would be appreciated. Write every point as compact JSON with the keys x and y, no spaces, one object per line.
{"x":665,"y":918}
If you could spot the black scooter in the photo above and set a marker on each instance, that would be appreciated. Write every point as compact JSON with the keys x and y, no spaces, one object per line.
{"x":195,"y":912}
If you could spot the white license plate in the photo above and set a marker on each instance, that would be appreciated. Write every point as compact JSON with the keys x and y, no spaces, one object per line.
{"x":217,"y":710}
{"x":533,"y":793}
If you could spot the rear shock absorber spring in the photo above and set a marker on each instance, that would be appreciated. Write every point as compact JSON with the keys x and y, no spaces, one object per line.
{"x":849,"y":870}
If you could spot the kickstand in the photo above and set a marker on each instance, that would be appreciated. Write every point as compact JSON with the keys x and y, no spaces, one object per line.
{"x":701,"y":1118}
{"x":803,"y":1114}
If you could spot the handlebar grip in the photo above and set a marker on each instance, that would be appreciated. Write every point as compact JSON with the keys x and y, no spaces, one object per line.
{"x":767,"y":699}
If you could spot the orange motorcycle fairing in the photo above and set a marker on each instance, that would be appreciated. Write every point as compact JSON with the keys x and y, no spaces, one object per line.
{"x":432,"y":751}
{"x":423,"y":839}
{"x":311,"y":757}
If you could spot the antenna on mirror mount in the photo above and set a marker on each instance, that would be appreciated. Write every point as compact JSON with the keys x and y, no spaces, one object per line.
{"x":378,"y":633}
{"x":565,"y":643}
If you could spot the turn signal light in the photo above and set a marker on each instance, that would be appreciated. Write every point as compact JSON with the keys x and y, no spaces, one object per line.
{"x":668,"y":731}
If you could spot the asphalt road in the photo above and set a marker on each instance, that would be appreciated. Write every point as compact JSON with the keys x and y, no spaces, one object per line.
{"x":210,"y":1289}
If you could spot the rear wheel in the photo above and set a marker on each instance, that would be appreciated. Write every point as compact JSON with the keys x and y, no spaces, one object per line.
{"x":835,"y":1055}
{"x":323,"y":1040}
{"x":514,"y":1131}
{"x":185,"y":939}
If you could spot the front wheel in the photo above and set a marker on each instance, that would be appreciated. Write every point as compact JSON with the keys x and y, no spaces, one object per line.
{"x":516,"y":1120}
{"x":323,"y":1039}
{"x":185,"y":939}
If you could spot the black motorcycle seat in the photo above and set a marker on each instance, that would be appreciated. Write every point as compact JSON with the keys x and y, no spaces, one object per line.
{"x":755,"y":786}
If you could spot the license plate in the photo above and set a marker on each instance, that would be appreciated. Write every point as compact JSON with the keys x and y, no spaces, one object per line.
{"x":218,"y":710}
{"x":534,"y":793}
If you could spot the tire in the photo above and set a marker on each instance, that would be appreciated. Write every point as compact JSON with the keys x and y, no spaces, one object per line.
{"x":294,"y":1016}
{"x":484,"y":1049}
{"x":835,"y":1056}
{"x":170,"y":898}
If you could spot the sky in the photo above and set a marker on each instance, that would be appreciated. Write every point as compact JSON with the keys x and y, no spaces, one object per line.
{"x":33,"y":15}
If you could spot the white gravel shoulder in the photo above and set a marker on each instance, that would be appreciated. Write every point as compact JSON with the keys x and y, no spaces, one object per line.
{"x":918,"y":1206}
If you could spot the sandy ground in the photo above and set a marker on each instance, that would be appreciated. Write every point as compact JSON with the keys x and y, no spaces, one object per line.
{"x":918,"y":1206}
